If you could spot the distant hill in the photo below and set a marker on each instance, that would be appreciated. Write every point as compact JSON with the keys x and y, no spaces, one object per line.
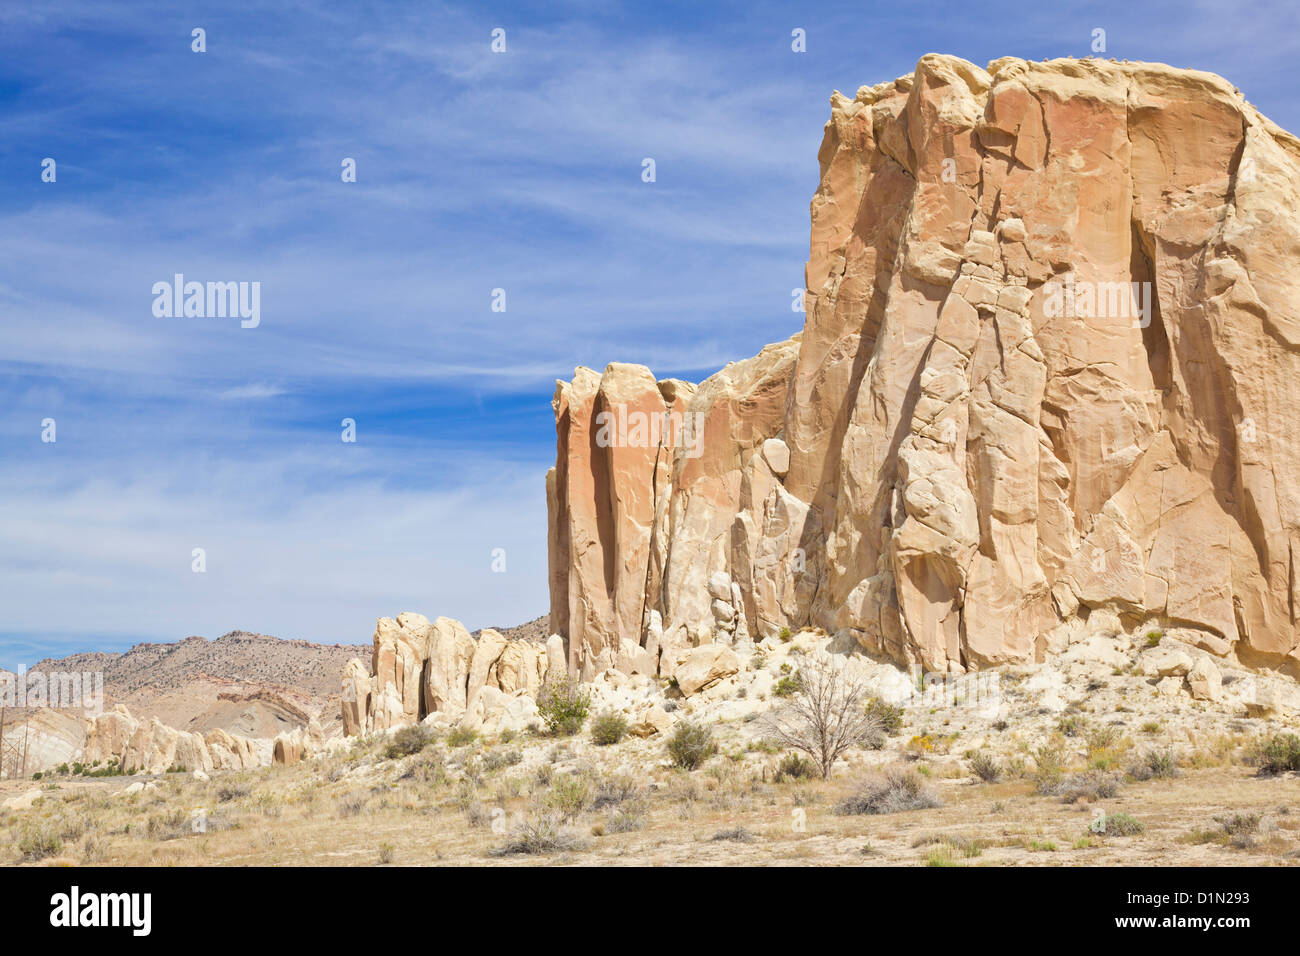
{"x":250,"y":684}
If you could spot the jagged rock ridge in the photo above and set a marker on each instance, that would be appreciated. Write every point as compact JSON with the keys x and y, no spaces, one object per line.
{"x":1050,"y":364}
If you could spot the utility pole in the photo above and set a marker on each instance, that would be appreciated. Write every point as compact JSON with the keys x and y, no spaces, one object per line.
{"x":26,"y":730}
{"x":2,"y":742}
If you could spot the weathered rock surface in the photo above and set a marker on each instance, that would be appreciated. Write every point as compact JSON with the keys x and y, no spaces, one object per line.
{"x":141,"y":746}
{"x":1050,"y":367}
{"x":422,"y":671}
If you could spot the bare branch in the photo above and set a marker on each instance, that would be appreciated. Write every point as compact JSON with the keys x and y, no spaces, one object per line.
{"x":826,"y":715}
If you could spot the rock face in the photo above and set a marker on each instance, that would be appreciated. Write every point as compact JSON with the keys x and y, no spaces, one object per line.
{"x":153,"y":747}
{"x":421,"y":671}
{"x":1050,"y":364}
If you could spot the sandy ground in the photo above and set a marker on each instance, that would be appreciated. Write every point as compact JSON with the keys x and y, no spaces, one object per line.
{"x":362,"y":810}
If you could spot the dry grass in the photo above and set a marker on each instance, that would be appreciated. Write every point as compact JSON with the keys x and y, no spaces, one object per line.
{"x":588,"y":805}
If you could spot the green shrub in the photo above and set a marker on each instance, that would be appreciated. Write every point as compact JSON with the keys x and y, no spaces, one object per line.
{"x":1276,"y":754}
{"x":785,"y":635}
{"x":407,"y":741}
{"x":1049,"y":764}
{"x":795,"y":767}
{"x":461,"y":737}
{"x":501,"y":758}
{"x":563,"y":706}
{"x":691,"y":745}
{"x":1155,"y":765}
{"x":36,"y":841}
{"x":1124,"y":824}
{"x":891,"y":715}
{"x":1072,"y":725}
{"x":788,"y":686}
{"x":608,"y":728}
{"x":569,"y":796}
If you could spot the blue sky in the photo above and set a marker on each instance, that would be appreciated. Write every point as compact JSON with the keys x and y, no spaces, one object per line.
{"x":475,"y":171}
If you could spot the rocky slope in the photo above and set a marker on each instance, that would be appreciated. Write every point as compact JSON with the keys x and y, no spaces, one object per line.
{"x":1050,"y":366}
{"x":254,"y":685}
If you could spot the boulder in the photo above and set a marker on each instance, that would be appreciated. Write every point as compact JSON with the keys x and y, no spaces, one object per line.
{"x":650,"y":719}
{"x":1204,"y":680}
{"x":704,"y":666}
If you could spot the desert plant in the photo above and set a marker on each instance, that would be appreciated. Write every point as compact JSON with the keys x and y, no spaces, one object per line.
{"x":1155,"y":765}
{"x":569,"y":796}
{"x":614,"y":790}
{"x":1276,"y":754}
{"x":1072,"y":725}
{"x":386,"y":852}
{"x":460,"y":737}
{"x":541,"y":832}
{"x":787,"y":686}
{"x":891,"y":715}
{"x":794,"y":767}
{"x":1239,"y":823}
{"x":497,"y":759}
{"x":429,"y":767}
{"x":1092,"y":785}
{"x":986,"y":767}
{"x":408,"y":740}
{"x":1101,"y":738}
{"x":233,"y":791}
{"x":1123,"y":824}
{"x":1049,"y":766}
{"x":563,"y":706}
{"x":896,"y":790}
{"x":36,"y":841}
{"x":624,"y":821}
{"x":826,"y":716}
{"x":736,"y":835}
{"x":352,"y":804}
{"x":608,"y":728}
{"x":691,"y":745}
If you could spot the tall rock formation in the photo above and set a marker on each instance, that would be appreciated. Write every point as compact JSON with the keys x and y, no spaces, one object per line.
{"x":420,"y":669}
{"x":1050,"y":363}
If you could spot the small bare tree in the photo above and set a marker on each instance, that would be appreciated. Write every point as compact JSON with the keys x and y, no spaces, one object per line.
{"x":827,"y":714}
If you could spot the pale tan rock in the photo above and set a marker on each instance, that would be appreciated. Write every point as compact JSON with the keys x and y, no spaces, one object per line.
{"x":290,"y":748}
{"x":400,"y":647}
{"x":777,"y":455}
{"x":989,"y":432}
{"x":1204,"y":680}
{"x":231,"y":751}
{"x":648,"y":721}
{"x":23,"y":801}
{"x":703,"y":666}
{"x":482,"y":668}
{"x":1164,"y":661}
{"x":446,"y":668}
{"x":355,"y":697}
{"x":556,"y":660}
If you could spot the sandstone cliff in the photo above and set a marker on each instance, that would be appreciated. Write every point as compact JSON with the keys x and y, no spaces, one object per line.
{"x":1050,"y":364}
{"x":421,"y":671}
{"x":150,"y":746}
